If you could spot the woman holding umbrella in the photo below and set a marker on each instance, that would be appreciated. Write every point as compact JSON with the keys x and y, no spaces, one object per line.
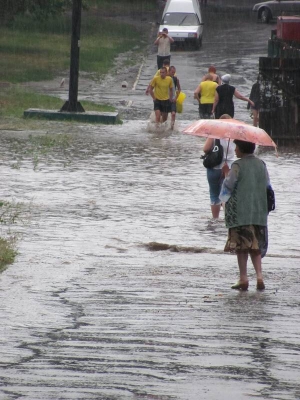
{"x":246,"y":211}
{"x":244,"y":191}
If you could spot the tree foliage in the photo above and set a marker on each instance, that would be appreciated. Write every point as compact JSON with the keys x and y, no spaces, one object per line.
{"x":44,"y":9}
{"x":41,"y":9}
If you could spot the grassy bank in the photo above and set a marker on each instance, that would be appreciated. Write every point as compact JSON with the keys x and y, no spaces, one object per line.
{"x":15,"y":99}
{"x":11,"y":213}
{"x":7,"y":253}
{"x":32,"y":50}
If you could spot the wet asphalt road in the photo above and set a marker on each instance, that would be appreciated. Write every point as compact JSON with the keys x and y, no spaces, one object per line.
{"x":233,"y":43}
{"x":121,"y":289}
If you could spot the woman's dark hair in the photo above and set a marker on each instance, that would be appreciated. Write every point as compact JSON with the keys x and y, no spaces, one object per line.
{"x":245,"y":147}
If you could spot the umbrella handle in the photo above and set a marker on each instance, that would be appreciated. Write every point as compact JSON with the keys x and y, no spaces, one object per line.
{"x":227,"y":150}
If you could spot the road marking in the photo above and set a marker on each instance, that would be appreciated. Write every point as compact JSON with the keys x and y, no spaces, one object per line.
{"x":143,"y":62}
{"x":138,"y":75}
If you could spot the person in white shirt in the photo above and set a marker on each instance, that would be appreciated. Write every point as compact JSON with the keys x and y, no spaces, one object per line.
{"x":216,"y":175}
{"x":164,"y":47}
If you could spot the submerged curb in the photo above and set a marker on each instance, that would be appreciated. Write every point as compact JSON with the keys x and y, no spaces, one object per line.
{"x":92,"y":117}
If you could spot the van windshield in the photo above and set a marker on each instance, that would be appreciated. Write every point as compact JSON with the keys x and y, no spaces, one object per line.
{"x":181,"y":19}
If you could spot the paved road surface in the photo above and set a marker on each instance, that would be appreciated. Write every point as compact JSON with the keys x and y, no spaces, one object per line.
{"x":121,"y":289}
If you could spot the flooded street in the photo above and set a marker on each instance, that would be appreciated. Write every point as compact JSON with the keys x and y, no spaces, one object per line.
{"x":121,"y":289}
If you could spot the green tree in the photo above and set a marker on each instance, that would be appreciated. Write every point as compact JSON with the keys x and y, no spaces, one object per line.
{"x":40,"y":9}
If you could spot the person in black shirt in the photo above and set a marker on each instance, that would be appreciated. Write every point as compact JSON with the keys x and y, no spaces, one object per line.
{"x":223,"y":103}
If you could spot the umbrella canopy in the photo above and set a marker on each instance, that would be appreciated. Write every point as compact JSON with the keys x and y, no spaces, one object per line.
{"x":229,"y":129}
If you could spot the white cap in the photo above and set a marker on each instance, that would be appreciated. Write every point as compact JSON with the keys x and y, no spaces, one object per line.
{"x":226,"y":78}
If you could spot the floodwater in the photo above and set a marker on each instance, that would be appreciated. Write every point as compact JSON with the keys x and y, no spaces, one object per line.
{"x":121,"y":289}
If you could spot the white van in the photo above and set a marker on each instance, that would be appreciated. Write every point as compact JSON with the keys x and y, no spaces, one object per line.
{"x":183,"y":20}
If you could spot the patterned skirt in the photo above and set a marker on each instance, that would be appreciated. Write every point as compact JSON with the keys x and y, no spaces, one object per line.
{"x":248,"y":238}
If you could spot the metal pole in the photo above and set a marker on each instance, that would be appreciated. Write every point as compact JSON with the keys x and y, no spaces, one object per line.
{"x":72,"y":105}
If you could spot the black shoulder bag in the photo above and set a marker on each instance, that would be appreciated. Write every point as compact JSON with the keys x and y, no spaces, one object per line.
{"x":270,"y":198}
{"x":215,"y":156}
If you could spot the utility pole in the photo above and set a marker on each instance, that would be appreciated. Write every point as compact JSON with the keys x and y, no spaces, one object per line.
{"x":72,"y":105}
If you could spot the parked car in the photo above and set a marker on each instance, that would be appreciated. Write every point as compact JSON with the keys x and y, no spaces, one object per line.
{"x":273,"y":9}
{"x":184,"y":22}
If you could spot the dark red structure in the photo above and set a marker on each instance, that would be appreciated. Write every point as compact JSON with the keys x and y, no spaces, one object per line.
{"x":279,"y":78}
{"x":288,"y":28}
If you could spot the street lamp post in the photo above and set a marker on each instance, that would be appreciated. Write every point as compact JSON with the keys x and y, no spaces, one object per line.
{"x":72,"y":105}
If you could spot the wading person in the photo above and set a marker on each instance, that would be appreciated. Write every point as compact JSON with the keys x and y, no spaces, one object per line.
{"x":255,"y":97}
{"x":223,"y":103}
{"x":246,"y":211}
{"x":206,"y":90}
{"x":215,"y":176}
{"x":163,"y":43}
{"x":166,"y":63}
{"x":176,"y":91}
{"x":213,"y":71}
{"x":161,"y":91}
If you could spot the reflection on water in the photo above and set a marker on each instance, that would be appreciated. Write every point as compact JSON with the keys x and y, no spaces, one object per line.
{"x":92,"y":311}
{"x":130,"y":177}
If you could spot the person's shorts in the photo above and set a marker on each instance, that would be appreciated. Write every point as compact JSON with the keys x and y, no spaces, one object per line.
{"x":173,"y":106}
{"x":163,"y":106}
{"x":205,"y":110}
{"x":215,"y":180}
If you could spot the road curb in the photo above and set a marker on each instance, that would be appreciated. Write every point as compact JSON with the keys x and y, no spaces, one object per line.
{"x":92,"y":116}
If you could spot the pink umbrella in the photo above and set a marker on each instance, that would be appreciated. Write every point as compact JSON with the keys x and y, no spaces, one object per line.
{"x":229,"y":129}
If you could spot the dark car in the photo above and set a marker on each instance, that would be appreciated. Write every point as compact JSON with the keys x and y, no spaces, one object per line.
{"x":273,"y":9}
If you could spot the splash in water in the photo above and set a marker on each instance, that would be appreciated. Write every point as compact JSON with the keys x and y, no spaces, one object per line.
{"x":163,"y":127}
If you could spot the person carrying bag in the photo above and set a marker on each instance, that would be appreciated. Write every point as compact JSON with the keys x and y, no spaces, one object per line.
{"x":219,"y":155}
{"x":213,"y":157}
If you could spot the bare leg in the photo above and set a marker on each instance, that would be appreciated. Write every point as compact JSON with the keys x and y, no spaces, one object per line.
{"x":157,"y":116}
{"x":256,"y":261}
{"x":215,"y":210}
{"x":242,"y":259}
{"x":173,"y":116}
{"x":255,"y":117}
{"x":242,"y":283}
{"x":164,"y":117}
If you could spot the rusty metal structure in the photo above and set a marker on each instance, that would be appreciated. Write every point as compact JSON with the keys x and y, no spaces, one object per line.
{"x":279,"y":79}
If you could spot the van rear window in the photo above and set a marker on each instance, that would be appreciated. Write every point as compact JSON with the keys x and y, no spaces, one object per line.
{"x":180,"y":19}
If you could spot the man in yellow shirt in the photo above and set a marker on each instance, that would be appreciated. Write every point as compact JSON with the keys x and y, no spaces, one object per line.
{"x":161,"y":91}
{"x":157,"y":73}
{"x":206,"y":90}
{"x":166,"y":64}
